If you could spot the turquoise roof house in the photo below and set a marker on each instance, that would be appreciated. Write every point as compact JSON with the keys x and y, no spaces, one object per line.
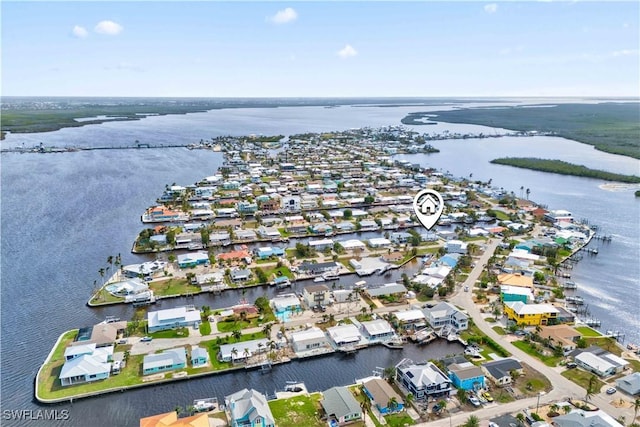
{"x":168,"y":360}
{"x":466,"y":376}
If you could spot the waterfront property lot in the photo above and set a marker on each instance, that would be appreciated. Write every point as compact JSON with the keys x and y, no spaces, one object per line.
{"x":297,"y":411}
{"x":173,"y":286}
{"x":586,"y":331}
{"x":532,"y":350}
{"x":582,"y":378}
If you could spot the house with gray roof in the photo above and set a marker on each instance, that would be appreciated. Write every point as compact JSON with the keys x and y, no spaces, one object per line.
{"x":599,"y":361}
{"x":580,"y":418}
{"x":340,"y":406}
{"x":630,"y":384}
{"x":422,"y":380}
{"x":446,"y":314}
{"x":85,"y":364}
{"x":168,"y":360}
{"x":249,"y":408}
{"x":499,"y":371}
{"x":199,"y":356}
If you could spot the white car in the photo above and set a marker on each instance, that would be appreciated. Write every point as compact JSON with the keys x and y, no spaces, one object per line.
{"x":474,"y":401}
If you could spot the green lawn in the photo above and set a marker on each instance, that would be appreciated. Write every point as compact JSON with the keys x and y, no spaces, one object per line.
{"x":587,"y":331}
{"x":173,"y":286}
{"x":399,"y":420}
{"x":608,"y":344}
{"x":634,"y":364}
{"x":297,"y":411}
{"x":172,"y":333}
{"x":205,"y":328}
{"x":581,"y":378}
{"x":547,"y":360}
{"x":103,"y":297}
{"x":277,"y":272}
{"x":500,"y":330}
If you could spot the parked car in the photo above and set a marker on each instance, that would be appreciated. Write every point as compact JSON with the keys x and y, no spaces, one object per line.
{"x":146,"y":339}
{"x":487,"y":396}
{"x":474,"y":401}
{"x":611,"y":390}
{"x":571,"y":365}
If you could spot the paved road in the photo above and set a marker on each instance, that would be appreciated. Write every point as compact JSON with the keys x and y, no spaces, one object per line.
{"x":562,"y":387}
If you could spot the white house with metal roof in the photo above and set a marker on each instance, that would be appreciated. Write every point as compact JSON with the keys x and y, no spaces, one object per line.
{"x":85,"y":363}
{"x":377,"y":330}
{"x":344,"y":334}
{"x":307,"y":340}
{"x":446,"y":314}
{"x":172,"y":318}
{"x":241,"y":351}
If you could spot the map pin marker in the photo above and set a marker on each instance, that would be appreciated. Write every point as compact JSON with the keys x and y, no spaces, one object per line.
{"x":428,"y":206}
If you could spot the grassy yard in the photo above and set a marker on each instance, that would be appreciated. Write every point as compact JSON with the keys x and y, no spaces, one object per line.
{"x":547,"y":360}
{"x":499,"y":330}
{"x":581,"y":378}
{"x":103,"y":297}
{"x":634,"y":364}
{"x":205,"y":328}
{"x":172,"y":333}
{"x":278,"y":272}
{"x":608,"y":344}
{"x":173,"y":287}
{"x":49,"y":386}
{"x":399,"y":420}
{"x":587,"y":331}
{"x":297,"y":411}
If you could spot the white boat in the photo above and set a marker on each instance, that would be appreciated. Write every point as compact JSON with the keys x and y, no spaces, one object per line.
{"x":319,"y":279}
{"x":330,"y":276}
{"x":208,"y":404}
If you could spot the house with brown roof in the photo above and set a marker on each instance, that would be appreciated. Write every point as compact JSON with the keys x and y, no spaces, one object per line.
{"x":386,"y":399}
{"x":563,"y":336}
{"x":170,"y":419}
{"x":514,"y":279}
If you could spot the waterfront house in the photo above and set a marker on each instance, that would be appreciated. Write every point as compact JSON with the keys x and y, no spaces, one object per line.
{"x":316,"y":268}
{"x":517,"y":279}
{"x":377,"y":330}
{"x":456,"y":246}
{"x":383,"y":396}
{"x":102,"y":335}
{"x":561,"y":336}
{"x":222,"y":238}
{"x":240,"y":275}
{"x":290,"y":203}
{"x":630,"y":384}
{"x":192,"y":259}
{"x":170,"y":419}
{"x":368,"y":225}
{"x":246,"y":235}
{"x":146,"y":269}
{"x":167,"y":360}
{"x":379,"y":242}
{"x":340,"y":406}
{"x":499,"y":371}
{"x":163,"y":214}
{"x":386,"y":290}
{"x":424,"y":381}
{"x":248,"y":408}
{"x":558,"y":215}
{"x":352,"y":245}
{"x":531,"y":314}
{"x":199,"y":356}
{"x":124,"y":288}
{"x":344,"y":335}
{"x":582,"y":418}
{"x":400,"y":237}
{"x":240,"y":255}
{"x":409,"y":319}
{"x":209,"y":279}
{"x":173,"y":318}
{"x":515,"y":293}
{"x":599,"y":361}
{"x":321,"y":245}
{"x":268,"y":251}
{"x":345,"y":226}
{"x":445,"y":314}
{"x":246,"y":208}
{"x":85,"y":363}
{"x":241,"y":351}
{"x":466,"y":376}
{"x":316,"y":295}
{"x":309,"y":339}
{"x":285,"y":302}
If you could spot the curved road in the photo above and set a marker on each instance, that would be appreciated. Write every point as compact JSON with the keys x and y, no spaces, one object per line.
{"x":562,"y":387}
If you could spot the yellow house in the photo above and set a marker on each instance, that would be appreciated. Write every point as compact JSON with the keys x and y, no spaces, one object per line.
{"x":531,"y":314}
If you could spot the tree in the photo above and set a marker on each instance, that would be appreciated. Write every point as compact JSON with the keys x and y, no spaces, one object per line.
{"x":591,"y":387}
{"x":236,"y":335}
{"x":515,"y":374}
{"x":347,"y":214}
{"x":389,"y":373}
{"x":472,"y":421}
{"x":179,"y":410}
{"x":462,"y":396}
{"x":267,"y":329}
{"x":520,"y":418}
{"x":392,"y":404}
{"x":409,"y":399}
{"x":234,"y":352}
{"x":566,"y":409}
{"x":191,"y":409}
{"x":636,"y":408}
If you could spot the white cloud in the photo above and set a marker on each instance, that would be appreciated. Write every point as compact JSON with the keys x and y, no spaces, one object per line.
{"x":491,"y":8}
{"x":510,"y":50}
{"x":625,"y":52}
{"x":109,"y":28}
{"x":284,"y":16}
{"x":79,"y":32}
{"x":347,"y":51}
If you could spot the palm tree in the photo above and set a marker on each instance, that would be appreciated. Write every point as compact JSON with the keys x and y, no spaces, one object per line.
{"x":566,"y":409}
{"x":554,"y":408}
{"x":234,"y":352}
{"x":267,"y":329}
{"x":191,"y":409}
{"x":591,"y":387}
{"x":514,"y":375}
{"x":528,"y":191}
{"x":246,"y":354}
{"x":472,"y":421}
{"x":389,"y":373}
{"x":236,"y":334}
{"x":409,"y":399}
{"x":520,"y":418}
{"x":179,"y":410}
{"x":392,"y":404}
{"x":636,"y":408}
{"x":260,"y":345}
{"x":101,"y":272}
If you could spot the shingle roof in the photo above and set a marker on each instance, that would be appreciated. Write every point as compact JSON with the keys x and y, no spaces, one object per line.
{"x":339,"y":401}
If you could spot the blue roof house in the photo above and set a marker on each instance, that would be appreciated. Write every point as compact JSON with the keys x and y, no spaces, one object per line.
{"x":199,"y":356}
{"x":168,"y":360}
{"x":466,"y":376}
{"x":192,"y":259}
{"x":450,"y":259}
{"x":266,"y":252}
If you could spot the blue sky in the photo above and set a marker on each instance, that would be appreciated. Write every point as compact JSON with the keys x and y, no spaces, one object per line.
{"x":297,"y":49}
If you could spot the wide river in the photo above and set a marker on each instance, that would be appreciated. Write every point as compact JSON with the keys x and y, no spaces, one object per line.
{"x":64,"y":214}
